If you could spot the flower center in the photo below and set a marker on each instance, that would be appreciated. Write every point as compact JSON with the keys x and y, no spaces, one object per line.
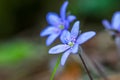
{"x":71,"y":44}
{"x":61,"y":27}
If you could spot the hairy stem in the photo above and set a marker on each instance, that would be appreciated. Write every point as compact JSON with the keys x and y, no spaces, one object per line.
{"x":96,"y":65}
{"x":85,"y":66}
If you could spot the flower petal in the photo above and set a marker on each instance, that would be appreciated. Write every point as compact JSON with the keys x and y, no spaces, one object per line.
{"x":71,"y":18}
{"x":65,"y":36}
{"x":66,"y":24}
{"x":65,"y":56}
{"x":85,"y":36}
{"x":75,"y":48}
{"x":106,"y":24}
{"x":47,"y":31}
{"x":51,"y":38}
{"x":75,"y":30}
{"x":58,"y":49}
{"x":63,"y":10}
{"x":116,"y":20}
{"x":53,"y":18}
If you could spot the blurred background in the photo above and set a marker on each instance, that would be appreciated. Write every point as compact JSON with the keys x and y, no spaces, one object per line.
{"x":23,"y":53}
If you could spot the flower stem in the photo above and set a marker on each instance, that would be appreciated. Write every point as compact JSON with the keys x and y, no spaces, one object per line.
{"x":89,"y":75}
{"x":55,"y":67}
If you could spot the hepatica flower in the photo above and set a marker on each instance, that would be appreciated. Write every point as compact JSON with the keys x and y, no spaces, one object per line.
{"x":57,"y":24}
{"x":71,"y":41}
{"x":114,"y":26}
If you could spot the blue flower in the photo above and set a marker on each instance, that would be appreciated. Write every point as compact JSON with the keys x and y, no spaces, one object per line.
{"x":57,"y":24}
{"x":71,"y":42}
{"x":115,"y":23}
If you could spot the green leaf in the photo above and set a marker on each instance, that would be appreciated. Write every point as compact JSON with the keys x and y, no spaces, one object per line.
{"x":55,"y":67}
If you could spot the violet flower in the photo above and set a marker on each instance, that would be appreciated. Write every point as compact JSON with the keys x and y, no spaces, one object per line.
{"x":114,"y":29}
{"x":71,"y":42}
{"x":114,"y":26}
{"x":57,"y":24}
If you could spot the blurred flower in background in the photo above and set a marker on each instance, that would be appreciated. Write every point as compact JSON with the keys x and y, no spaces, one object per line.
{"x":114,"y":26}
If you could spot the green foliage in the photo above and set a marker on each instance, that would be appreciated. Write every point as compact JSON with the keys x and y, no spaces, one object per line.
{"x":94,"y":7}
{"x":14,"y":52}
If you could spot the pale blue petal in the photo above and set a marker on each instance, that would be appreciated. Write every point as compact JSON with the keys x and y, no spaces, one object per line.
{"x":85,"y":36}
{"x":63,"y":10}
{"x":51,"y":38}
{"x":65,"y":56}
{"x":71,"y":18}
{"x":66,"y":23}
{"x":65,"y":36}
{"x":75,"y":30}
{"x":75,"y":48}
{"x":49,"y":30}
{"x":58,"y":49}
{"x":106,"y":24}
{"x":53,"y":18}
{"x":116,"y":20}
